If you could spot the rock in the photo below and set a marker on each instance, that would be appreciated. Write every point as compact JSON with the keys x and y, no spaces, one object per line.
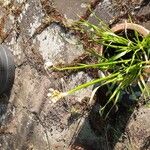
{"x":72,"y":10}
{"x":143,"y":14}
{"x":137,"y":131}
{"x":87,"y":139}
{"x":28,"y":118}
{"x":57,"y":46}
{"x":106,"y":11}
{"x":30,"y":18}
{"x":33,"y":119}
{"x":113,"y":11}
{"x":6,"y":23}
{"x":58,"y":119}
{"x":16,"y":44}
{"x":147,"y":25}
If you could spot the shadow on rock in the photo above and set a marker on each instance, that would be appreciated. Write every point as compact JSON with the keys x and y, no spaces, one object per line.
{"x":98,"y":133}
{"x":4,"y":101}
{"x":146,"y":144}
{"x":145,"y":2}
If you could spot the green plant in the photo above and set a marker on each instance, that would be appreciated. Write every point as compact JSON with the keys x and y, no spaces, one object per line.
{"x":125,"y":60}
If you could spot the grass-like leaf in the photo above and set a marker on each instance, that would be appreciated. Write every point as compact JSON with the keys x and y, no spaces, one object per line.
{"x":126,"y":64}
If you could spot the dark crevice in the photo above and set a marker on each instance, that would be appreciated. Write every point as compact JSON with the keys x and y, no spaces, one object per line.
{"x":145,"y":3}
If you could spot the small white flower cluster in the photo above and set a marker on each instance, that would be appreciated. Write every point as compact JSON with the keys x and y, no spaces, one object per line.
{"x":47,"y":65}
{"x":55,"y":95}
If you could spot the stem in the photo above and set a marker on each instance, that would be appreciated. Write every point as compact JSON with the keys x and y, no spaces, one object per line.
{"x":91,"y":83}
{"x":82,"y":66}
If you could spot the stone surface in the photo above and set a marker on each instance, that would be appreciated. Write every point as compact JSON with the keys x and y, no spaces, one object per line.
{"x":137,"y":131}
{"x":34,"y":33}
{"x":114,"y":11}
{"x":30,"y":18}
{"x":106,"y":10}
{"x":110,"y":11}
{"x":6,"y":23}
{"x":16,"y":44}
{"x":72,"y":9}
{"x":143,"y":14}
{"x":32,"y":118}
{"x":56,"y":46}
{"x":88,"y":139}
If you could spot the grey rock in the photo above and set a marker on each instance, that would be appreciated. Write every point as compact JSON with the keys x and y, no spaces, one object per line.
{"x":56,"y":46}
{"x":72,"y":10}
{"x":106,"y":11}
{"x":137,"y":131}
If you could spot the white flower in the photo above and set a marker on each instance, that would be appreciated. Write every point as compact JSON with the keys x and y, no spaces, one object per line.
{"x":55,"y":95}
{"x":48,"y":65}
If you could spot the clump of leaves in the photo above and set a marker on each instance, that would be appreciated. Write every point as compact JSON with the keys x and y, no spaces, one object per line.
{"x":125,"y":66}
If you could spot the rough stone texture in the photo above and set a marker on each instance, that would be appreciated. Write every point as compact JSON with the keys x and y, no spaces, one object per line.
{"x":73,"y":9}
{"x":112,"y":11}
{"x":87,"y":138}
{"x":32,"y":118}
{"x":139,"y":127}
{"x":16,"y":44}
{"x":56,"y":46}
{"x":137,"y":131}
{"x":106,"y":10}
{"x":6,"y":23}
{"x":144,"y":14}
{"x":30,"y":18}
{"x":22,"y":121}
{"x":28,"y":119}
